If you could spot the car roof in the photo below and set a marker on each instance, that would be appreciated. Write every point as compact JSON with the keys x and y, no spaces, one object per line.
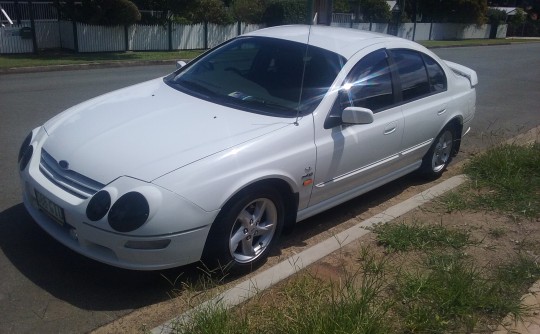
{"x":343,"y":41}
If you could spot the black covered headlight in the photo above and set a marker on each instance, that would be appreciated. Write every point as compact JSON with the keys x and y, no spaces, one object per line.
{"x":25,"y":152}
{"x":129,"y":212}
{"x":98,"y":206}
{"x":25,"y":145}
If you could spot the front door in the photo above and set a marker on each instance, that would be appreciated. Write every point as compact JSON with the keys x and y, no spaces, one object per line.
{"x":350,"y":157}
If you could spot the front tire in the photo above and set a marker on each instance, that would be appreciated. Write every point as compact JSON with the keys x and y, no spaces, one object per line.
{"x":245,"y":231}
{"x":440,"y":154}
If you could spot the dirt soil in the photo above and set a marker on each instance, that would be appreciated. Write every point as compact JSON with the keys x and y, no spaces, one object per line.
{"x":512,"y":236}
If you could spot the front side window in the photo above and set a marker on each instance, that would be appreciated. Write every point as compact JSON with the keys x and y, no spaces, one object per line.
{"x":262,"y":75}
{"x":369,"y":85}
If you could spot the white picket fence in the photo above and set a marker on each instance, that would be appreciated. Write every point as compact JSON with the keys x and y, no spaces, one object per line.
{"x":94,"y":38}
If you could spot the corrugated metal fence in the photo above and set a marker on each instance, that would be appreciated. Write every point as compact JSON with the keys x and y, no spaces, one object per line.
{"x":94,"y":38}
{"x":49,"y":32}
{"x":45,"y":17}
{"x":422,"y":31}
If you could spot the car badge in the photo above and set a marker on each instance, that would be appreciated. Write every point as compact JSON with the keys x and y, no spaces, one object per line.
{"x":63,"y":164}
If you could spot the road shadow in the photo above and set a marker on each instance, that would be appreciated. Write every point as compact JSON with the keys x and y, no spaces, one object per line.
{"x":90,"y":285}
{"x":80,"y":281}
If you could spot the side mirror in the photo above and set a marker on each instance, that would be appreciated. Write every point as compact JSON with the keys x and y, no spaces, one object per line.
{"x":180,"y":64}
{"x":356,"y":115}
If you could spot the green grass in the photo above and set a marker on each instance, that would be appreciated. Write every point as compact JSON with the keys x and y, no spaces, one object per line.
{"x":307,"y":304}
{"x":49,"y":58}
{"x":434,"y":284}
{"x":452,"y":294}
{"x":505,"y":179}
{"x":445,"y":291}
{"x":403,"y":237}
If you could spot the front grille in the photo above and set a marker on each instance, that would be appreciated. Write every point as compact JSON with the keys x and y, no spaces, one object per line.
{"x":72,"y":182}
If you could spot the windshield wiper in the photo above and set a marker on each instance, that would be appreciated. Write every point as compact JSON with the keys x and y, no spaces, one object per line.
{"x":194,"y":87}
{"x":269,"y":104}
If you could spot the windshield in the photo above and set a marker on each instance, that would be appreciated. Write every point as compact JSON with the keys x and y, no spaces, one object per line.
{"x":262,"y":75}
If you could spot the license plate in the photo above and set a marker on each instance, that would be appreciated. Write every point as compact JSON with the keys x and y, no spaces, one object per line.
{"x":50,"y":208}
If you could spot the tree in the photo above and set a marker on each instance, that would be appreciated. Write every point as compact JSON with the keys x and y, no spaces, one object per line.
{"x":455,"y":11}
{"x":496,"y":16}
{"x":190,"y":11}
{"x":341,"y":6}
{"x":250,"y":11}
{"x":213,"y":11}
{"x":105,"y":12}
{"x":519,"y":17}
{"x":375,"y":10}
{"x":280,"y":12}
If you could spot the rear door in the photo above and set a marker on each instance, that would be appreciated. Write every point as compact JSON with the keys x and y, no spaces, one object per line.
{"x":423,"y":90}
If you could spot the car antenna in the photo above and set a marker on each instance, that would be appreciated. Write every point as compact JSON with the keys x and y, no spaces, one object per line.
{"x":305,"y":60}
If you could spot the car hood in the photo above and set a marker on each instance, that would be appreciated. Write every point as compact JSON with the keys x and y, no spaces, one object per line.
{"x":146,"y":131}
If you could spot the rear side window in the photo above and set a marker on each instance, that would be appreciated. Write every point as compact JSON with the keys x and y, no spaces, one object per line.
{"x":437,"y":78}
{"x":412,"y":74}
{"x":369,"y":85}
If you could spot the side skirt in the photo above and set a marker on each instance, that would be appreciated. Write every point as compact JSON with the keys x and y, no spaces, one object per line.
{"x":341,"y":198}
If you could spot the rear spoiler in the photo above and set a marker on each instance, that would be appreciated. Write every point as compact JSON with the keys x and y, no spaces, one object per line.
{"x":464,"y":72}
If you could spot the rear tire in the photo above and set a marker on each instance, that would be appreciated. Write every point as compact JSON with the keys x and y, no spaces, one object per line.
{"x":440,"y":154}
{"x":244,"y":232}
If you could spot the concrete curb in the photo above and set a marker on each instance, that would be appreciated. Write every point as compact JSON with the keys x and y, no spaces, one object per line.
{"x":266,"y":279}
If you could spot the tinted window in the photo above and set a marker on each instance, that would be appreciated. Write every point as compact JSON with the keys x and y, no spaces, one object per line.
{"x":261,"y":74}
{"x":369,"y":84}
{"x":437,"y":79}
{"x":412,"y":74}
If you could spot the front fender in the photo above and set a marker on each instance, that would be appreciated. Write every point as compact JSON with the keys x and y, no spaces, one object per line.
{"x":288,"y":154}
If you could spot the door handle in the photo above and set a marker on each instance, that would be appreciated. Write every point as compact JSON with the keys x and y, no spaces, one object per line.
{"x":440,"y":112}
{"x":390,"y":128}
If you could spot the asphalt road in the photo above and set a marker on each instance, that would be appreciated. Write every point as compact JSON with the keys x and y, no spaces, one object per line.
{"x":46,"y":288}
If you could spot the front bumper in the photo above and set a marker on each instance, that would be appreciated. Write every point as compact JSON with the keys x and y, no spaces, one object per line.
{"x":173,"y":235}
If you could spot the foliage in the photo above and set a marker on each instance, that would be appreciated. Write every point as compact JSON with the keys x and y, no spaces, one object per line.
{"x":279,"y":12}
{"x":177,"y":7}
{"x":213,"y":11}
{"x":341,"y":6}
{"x":454,"y":11}
{"x":249,"y":11}
{"x":189,"y":11}
{"x":496,"y":16}
{"x":375,"y":10}
{"x":104,"y":12}
{"x":519,"y":17}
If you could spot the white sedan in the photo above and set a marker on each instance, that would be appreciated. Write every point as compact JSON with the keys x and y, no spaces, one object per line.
{"x":211,"y":162}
